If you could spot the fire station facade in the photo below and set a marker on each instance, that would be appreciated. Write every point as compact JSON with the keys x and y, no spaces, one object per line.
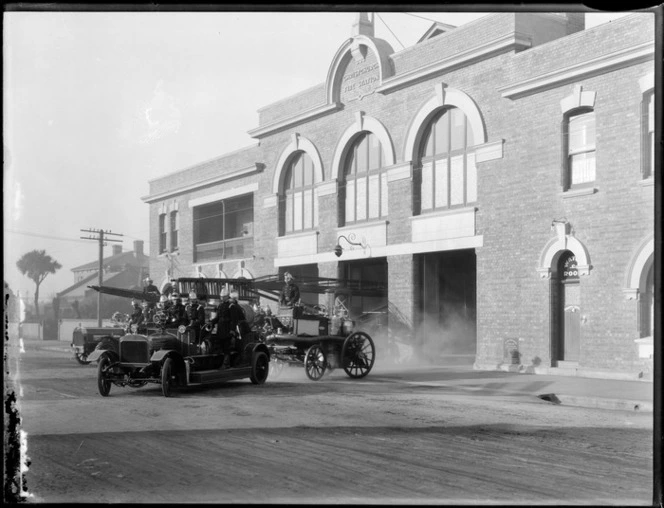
{"x":497,"y":176}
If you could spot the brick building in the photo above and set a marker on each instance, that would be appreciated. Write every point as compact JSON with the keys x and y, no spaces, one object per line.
{"x":498,"y":176}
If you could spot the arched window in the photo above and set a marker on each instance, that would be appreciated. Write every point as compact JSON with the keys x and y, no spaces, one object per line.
{"x":579,"y":151}
{"x":298,"y":201}
{"x":447,"y":164}
{"x":365,"y":180}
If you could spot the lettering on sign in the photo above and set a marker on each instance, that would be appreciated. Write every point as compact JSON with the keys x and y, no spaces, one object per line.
{"x":570,"y":268}
{"x":360,"y":82}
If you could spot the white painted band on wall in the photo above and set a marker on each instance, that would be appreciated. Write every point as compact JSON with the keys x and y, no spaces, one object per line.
{"x":218,"y":196}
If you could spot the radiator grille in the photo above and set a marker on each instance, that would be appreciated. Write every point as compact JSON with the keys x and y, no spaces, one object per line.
{"x":134,"y":352}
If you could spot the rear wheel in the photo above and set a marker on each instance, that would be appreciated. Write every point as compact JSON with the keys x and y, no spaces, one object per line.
{"x":167,"y":378}
{"x":103,"y":384}
{"x":315,"y":362}
{"x":260,"y":367}
{"x":358,"y":354}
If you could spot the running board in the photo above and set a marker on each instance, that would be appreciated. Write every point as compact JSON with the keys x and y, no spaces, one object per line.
{"x":212,"y":376}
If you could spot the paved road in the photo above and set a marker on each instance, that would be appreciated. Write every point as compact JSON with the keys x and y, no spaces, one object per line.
{"x":386,"y":439}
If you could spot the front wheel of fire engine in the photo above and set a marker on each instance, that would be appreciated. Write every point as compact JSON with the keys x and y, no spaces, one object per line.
{"x":103,"y":384}
{"x":82,"y":358}
{"x":358,"y":354}
{"x":167,"y":377}
{"x":260,"y":367}
{"x":315,"y":362}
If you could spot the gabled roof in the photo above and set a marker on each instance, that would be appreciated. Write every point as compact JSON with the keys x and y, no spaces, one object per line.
{"x":125,"y":279}
{"x":130,"y":258}
{"x":78,"y":284}
{"x":436,"y":29}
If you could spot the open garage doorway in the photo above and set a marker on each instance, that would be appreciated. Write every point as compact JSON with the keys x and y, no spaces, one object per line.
{"x":447,"y":303}
{"x":370,"y":271}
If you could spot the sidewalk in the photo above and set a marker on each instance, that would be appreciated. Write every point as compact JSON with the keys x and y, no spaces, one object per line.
{"x":566,"y":390}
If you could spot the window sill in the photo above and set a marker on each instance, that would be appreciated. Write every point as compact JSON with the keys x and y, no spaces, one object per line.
{"x":647,"y":182}
{"x":295,"y":234}
{"x":444,"y":212}
{"x":573,"y":193}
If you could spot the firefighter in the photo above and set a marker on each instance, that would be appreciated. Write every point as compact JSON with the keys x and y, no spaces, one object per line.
{"x":177,"y":312}
{"x":195,"y":312}
{"x":290,"y":294}
{"x":223,"y":322}
{"x":136,"y":317}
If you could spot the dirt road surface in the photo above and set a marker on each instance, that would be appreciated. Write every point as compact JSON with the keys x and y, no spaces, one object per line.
{"x":386,"y":439}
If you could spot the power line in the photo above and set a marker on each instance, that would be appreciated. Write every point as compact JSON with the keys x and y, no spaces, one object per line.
{"x":393,"y":34}
{"x":39,"y":235}
{"x":100,"y":239}
{"x":421,"y":17}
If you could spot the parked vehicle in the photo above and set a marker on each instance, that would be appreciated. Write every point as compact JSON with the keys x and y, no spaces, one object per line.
{"x":86,"y":339}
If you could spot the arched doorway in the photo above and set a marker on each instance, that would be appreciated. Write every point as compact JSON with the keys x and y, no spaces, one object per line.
{"x":566,"y":299}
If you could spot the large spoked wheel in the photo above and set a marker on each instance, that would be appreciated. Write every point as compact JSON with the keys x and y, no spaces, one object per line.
{"x":260,"y":368}
{"x":82,"y":358}
{"x":167,"y":378}
{"x":358,"y":355}
{"x":315,"y":362}
{"x":276,"y":368}
{"x":103,"y":384}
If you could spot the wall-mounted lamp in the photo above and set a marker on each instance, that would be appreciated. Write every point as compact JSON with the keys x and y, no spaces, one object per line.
{"x":338,"y":249}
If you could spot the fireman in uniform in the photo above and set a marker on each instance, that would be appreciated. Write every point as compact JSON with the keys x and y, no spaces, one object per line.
{"x":195,"y":312}
{"x":223,"y":322}
{"x":177,"y":312}
{"x":290,"y":294}
{"x":136,"y":316}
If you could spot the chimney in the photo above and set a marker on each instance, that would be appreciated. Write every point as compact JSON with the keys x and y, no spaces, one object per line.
{"x":138,"y":247}
{"x":363,"y":25}
{"x":117,"y":249}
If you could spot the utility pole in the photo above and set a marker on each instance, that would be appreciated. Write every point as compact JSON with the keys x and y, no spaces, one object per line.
{"x":100,"y":238}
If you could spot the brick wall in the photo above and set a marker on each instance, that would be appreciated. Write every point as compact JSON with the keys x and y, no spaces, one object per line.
{"x":518,"y":195}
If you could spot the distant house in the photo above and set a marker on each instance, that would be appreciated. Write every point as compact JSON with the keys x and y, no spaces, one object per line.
{"x":121,"y":269}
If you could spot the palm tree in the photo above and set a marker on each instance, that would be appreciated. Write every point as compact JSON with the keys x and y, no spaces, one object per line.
{"x":37,"y":265}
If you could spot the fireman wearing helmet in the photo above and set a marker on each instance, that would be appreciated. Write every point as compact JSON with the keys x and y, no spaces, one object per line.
{"x":136,"y":316}
{"x":195,"y":314}
{"x":290,"y":294}
{"x":177,"y":312}
{"x":223,"y":319}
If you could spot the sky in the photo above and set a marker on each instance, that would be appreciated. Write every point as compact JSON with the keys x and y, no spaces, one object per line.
{"x":97,"y":104}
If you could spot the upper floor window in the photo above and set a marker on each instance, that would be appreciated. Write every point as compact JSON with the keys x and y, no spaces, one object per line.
{"x":365,"y":180}
{"x":224,"y":229}
{"x":579,"y":138}
{"x":448,"y":176}
{"x":299,"y":205}
{"x":174,"y":230}
{"x":648,"y":126}
{"x":162,"y":233}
